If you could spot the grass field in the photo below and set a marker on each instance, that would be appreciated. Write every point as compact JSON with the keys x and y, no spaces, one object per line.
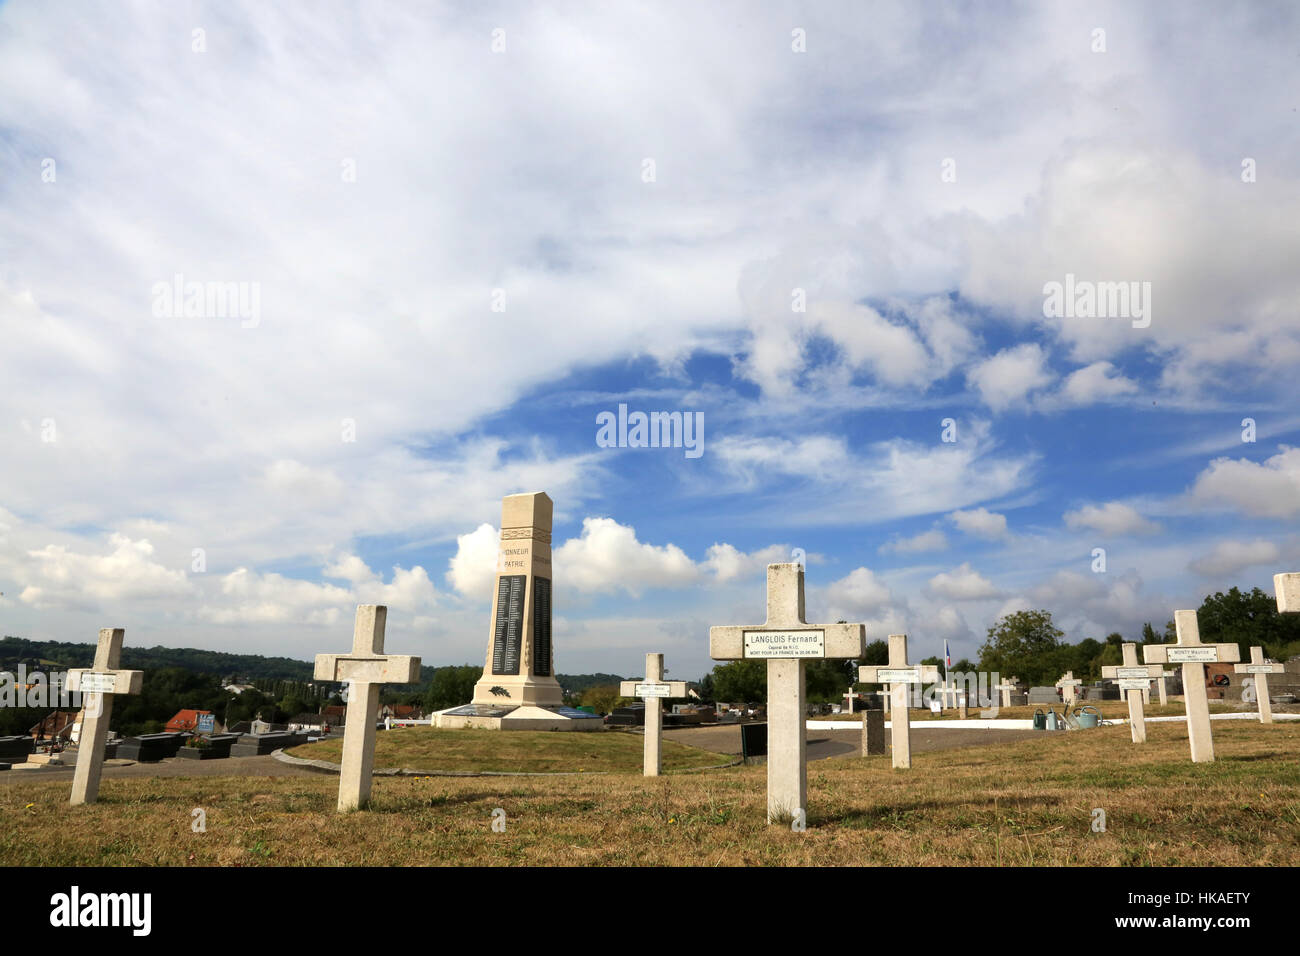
{"x":1109,"y":709}
{"x":1030,"y":802}
{"x":514,"y":751}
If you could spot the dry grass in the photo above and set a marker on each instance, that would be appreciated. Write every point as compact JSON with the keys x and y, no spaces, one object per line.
{"x":1024,"y":803}
{"x":1109,"y":709}
{"x":514,"y":751}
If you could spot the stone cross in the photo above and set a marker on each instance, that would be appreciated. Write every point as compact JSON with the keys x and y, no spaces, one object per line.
{"x":1069,"y":685}
{"x":364,"y":670}
{"x":99,"y":684}
{"x":1133,"y":678}
{"x":1193,"y":655}
{"x":787,"y":642}
{"x":1162,"y":685}
{"x":653,"y":690}
{"x":1260,"y":669}
{"x":1006,"y":687}
{"x":899,"y":675}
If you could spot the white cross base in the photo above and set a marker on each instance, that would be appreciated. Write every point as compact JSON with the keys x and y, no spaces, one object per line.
{"x":653,"y":690}
{"x":365,"y":670}
{"x":786,"y":641}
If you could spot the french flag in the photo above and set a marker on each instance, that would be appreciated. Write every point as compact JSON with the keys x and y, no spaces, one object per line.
{"x":947,"y":655}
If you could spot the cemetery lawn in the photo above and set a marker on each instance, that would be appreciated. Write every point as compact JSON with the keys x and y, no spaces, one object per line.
{"x":514,"y":751}
{"x":1109,"y":709}
{"x":1031,"y":802}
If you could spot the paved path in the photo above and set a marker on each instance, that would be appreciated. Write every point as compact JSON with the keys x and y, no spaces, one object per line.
{"x":263,"y":766}
{"x":725,"y":739}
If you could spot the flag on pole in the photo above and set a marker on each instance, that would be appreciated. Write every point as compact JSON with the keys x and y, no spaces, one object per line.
{"x":947,"y":656}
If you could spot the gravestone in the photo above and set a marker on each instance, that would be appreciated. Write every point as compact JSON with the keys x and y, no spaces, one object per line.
{"x":365,"y":670}
{"x":1134,"y":678}
{"x":98,"y":685}
{"x":787,"y":642}
{"x":217,"y":748}
{"x":257,"y":745}
{"x":873,"y":732}
{"x":1260,"y":669}
{"x":900,"y":676}
{"x":653,"y":690}
{"x":150,"y":748}
{"x":753,"y":741}
{"x":1193,"y":655}
{"x":1069,"y":686}
{"x":17,"y":747}
{"x":518,"y":689}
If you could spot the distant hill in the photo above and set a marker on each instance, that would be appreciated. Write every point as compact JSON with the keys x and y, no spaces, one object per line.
{"x":248,"y":667}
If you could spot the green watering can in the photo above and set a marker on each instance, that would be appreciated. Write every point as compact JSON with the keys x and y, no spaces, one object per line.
{"x":1040,"y":720}
{"x":1087,"y":717}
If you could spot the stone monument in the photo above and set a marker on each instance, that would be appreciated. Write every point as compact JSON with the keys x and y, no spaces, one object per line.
{"x":518,"y":689}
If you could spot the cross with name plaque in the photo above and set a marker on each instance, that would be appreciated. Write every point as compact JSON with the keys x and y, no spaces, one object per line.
{"x":1134,"y":678}
{"x":1007,"y":687}
{"x":1193,"y":655}
{"x":365,"y":670}
{"x":900,"y":676}
{"x":1069,"y":685}
{"x":787,"y":642}
{"x":653,"y":690}
{"x":99,"y":684}
{"x":1260,"y":669}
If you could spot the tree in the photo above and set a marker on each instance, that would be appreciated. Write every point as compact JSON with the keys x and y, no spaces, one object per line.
{"x":704,"y":687}
{"x":1247,"y":620}
{"x":1026,"y":644}
{"x":740,"y":681}
{"x":877,"y":654}
{"x":602,"y":698}
{"x":451,"y":686}
{"x":827,"y":680}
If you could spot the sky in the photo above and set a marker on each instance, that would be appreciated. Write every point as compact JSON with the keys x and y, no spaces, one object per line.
{"x":420,"y":249}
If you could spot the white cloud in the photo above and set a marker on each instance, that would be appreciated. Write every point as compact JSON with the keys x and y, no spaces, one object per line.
{"x":1112,"y":518}
{"x":727,"y":563}
{"x":1229,"y":557}
{"x":963,"y":583}
{"x":473,"y":568}
{"x":980,"y":522}
{"x":932,"y":540}
{"x":857,"y":593}
{"x":608,"y":557}
{"x":1096,"y":383}
{"x":56,"y":577}
{"x":1270,"y":489}
{"x":1007,"y":378}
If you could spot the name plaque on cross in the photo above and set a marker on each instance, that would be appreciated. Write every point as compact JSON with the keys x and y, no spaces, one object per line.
{"x":653,"y":690}
{"x":1259,"y":669}
{"x":1134,"y":683}
{"x":761,"y":645}
{"x":92,"y":683}
{"x":1133,"y":673}
{"x":898,"y":675}
{"x":1192,"y":655}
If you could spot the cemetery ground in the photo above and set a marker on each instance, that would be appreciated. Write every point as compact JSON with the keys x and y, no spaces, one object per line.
{"x":1023,"y":802}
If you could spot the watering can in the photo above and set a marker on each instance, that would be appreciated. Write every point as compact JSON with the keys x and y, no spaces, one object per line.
{"x":1040,"y":720}
{"x":1052,"y":723}
{"x":1087,"y":717}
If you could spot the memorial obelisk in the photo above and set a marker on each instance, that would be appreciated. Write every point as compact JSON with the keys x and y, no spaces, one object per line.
{"x":518,"y":689}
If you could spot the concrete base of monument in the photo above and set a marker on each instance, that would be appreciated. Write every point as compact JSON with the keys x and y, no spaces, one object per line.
{"x":526,"y":717}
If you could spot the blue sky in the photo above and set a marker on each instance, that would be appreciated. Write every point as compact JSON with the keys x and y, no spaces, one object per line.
{"x":462,"y":235}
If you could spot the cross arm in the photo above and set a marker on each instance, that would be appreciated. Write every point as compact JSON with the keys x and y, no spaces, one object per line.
{"x":872,"y":674}
{"x":1251,"y":667}
{"x":1287,"y":589}
{"x":124,"y":682}
{"x":727,"y":642}
{"x":676,"y":688}
{"x":387,"y":669}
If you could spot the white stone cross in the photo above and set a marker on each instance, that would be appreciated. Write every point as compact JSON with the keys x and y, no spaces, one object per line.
{"x":653,"y":690}
{"x":1162,"y":684}
{"x":1261,"y":669}
{"x":1134,"y":678}
{"x":1069,"y":685}
{"x":99,"y":684}
{"x":364,"y":670}
{"x":1193,"y":655}
{"x":787,"y":642}
{"x":899,"y":675}
{"x":1006,"y":687}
